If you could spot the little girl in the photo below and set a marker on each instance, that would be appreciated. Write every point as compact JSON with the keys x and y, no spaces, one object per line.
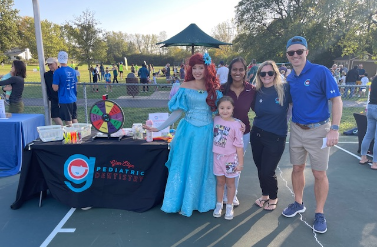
{"x":228,"y":154}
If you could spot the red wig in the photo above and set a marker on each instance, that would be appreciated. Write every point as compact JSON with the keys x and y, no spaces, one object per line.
{"x":211,"y":81}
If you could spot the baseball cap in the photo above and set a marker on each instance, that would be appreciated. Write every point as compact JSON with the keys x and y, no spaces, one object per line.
{"x":62,"y":57}
{"x":51,"y":60}
{"x":297,"y":40}
{"x":221,"y":62}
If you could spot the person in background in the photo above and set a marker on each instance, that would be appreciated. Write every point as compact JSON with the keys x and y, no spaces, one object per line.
{"x":269,"y":130}
{"x":95,"y":75}
{"x":182,"y":72}
{"x":191,"y":184}
{"x":252,"y":72}
{"x":136,"y":68}
{"x":371,"y":128}
{"x":7,"y":88}
{"x":102,"y":71}
{"x":167,"y":73}
{"x":351,"y":78}
{"x":121,"y":70}
{"x":107,"y":77}
{"x":115,"y":73}
{"x":17,"y":82}
{"x":243,"y":95}
{"x":77,"y":74}
{"x":227,"y":155}
{"x":65,"y":82}
{"x":222,"y":73}
{"x":52,"y":95}
{"x":144,"y":74}
{"x":310,"y":124}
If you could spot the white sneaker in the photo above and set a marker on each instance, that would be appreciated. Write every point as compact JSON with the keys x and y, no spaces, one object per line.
{"x":218,"y":209}
{"x":229,"y":212}
{"x":236,"y":202}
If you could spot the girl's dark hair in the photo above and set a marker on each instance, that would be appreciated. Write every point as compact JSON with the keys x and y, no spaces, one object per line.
{"x":226,"y":86}
{"x":19,"y":68}
{"x":225,"y":98}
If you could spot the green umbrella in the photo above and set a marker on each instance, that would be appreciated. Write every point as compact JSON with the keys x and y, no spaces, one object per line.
{"x":192,"y":36}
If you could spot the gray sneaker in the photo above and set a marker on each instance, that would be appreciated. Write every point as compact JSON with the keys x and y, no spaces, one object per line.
{"x":229,"y":212}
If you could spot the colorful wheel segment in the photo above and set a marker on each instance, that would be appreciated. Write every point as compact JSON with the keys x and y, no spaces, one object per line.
{"x":106,"y":116}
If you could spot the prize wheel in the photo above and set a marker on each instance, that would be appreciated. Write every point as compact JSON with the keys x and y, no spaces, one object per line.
{"x":106,"y":116}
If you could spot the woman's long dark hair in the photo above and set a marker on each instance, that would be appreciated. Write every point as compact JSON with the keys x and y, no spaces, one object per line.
{"x":226,"y":87}
{"x":19,"y":68}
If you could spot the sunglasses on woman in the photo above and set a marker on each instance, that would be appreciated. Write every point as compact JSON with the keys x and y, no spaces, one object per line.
{"x":270,"y":73}
{"x":299,"y":52}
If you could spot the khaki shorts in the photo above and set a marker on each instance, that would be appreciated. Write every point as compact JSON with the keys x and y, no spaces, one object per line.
{"x":303,"y":142}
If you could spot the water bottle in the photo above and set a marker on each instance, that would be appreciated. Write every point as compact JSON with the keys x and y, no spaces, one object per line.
{"x":149,"y":135}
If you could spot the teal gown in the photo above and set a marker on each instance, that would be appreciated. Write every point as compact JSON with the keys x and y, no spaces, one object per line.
{"x":191,"y":183}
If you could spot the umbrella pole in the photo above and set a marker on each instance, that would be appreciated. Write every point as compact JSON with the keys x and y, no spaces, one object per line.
{"x":192,"y":50}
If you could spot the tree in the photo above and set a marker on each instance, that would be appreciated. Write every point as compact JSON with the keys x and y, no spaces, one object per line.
{"x":332,"y":27}
{"x":88,"y":45}
{"x":53,"y":41}
{"x":8,"y":25}
{"x":117,"y":46}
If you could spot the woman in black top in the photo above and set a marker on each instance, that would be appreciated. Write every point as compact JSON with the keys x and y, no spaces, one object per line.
{"x":18,"y":72}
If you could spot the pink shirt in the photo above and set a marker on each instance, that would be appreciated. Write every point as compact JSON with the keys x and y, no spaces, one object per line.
{"x":227,"y":136}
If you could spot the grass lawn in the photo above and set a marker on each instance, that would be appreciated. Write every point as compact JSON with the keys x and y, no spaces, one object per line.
{"x":34,"y":76}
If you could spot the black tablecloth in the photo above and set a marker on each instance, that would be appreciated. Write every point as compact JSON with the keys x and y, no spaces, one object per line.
{"x":127,"y":174}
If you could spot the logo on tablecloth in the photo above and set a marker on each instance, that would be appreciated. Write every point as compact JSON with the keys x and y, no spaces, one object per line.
{"x":119,"y":170}
{"x":79,"y":169}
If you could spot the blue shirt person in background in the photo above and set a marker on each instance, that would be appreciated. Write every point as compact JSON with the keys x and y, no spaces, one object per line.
{"x":65,"y":83}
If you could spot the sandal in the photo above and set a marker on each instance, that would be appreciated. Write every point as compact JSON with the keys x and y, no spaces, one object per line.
{"x":260,"y":202}
{"x":271,"y":204}
{"x":365,"y":162}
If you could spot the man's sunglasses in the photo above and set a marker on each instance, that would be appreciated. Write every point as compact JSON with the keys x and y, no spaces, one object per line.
{"x":270,"y":73}
{"x":299,"y":52}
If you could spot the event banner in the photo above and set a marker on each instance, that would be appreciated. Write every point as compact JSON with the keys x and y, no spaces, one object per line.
{"x":130,"y":174}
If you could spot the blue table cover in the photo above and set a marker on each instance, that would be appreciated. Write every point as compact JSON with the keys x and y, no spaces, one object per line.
{"x":16,"y":132}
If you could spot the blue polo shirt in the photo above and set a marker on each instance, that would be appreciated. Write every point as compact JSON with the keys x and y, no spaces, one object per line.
{"x":270,"y":115}
{"x":65,"y":78}
{"x":310,"y":93}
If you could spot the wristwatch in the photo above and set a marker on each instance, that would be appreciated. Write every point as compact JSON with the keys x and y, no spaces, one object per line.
{"x":334,"y":127}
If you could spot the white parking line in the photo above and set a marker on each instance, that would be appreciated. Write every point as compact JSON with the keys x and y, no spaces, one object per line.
{"x":59,"y":228}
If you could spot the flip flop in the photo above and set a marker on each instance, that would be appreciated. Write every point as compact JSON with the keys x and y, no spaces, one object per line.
{"x":373,"y":168}
{"x":261,"y":202}
{"x":271,"y":204}
{"x":366,"y":162}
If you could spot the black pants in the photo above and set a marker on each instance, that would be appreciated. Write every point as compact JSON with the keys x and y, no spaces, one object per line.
{"x":115,"y":78}
{"x":267,"y":150}
{"x":144,"y":81}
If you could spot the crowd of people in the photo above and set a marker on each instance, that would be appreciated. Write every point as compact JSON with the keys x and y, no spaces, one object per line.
{"x":206,"y":155}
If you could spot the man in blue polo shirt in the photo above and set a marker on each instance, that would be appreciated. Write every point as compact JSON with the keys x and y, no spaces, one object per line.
{"x":311,"y":86}
{"x":64,"y":81}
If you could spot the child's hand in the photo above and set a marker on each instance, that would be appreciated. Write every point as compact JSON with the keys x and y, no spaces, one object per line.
{"x":238,"y":168}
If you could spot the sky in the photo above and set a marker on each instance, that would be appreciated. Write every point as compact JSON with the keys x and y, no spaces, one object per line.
{"x":133,"y":16}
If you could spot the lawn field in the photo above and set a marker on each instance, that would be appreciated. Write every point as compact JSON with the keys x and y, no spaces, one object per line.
{"x":33,"y":74}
